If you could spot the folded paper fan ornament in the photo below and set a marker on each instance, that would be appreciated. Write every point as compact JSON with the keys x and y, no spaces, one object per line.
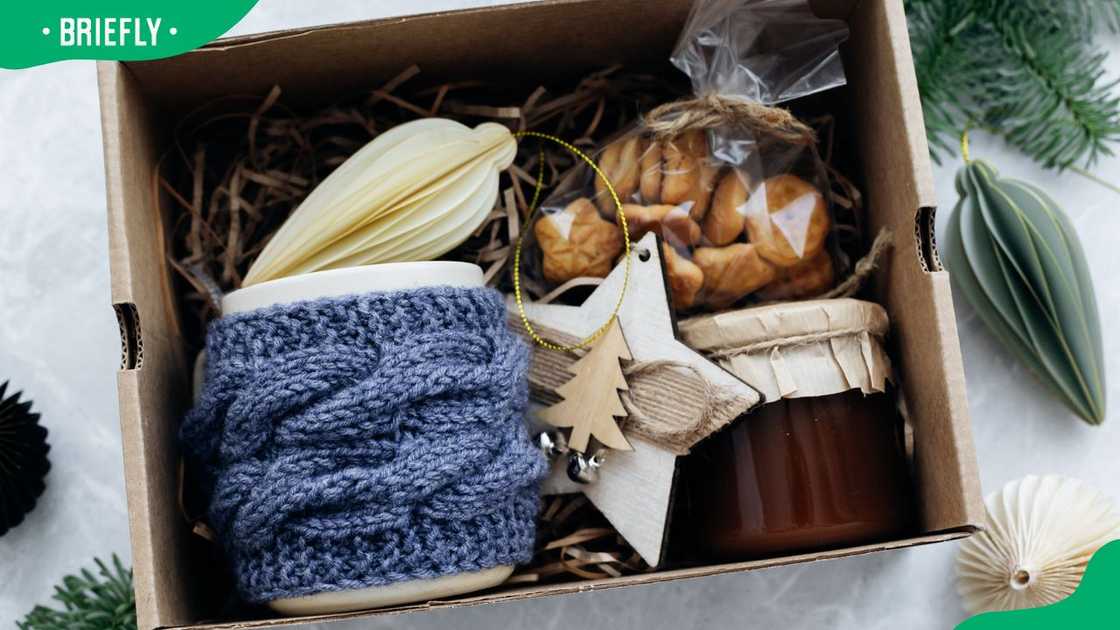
{"x":413,"y":193}
{"x":1041,"y":532}
{"x":1016,"y":257}
{"x":23,"y":459}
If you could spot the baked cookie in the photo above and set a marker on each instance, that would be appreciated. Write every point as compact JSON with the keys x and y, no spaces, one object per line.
{"x":787,"y":219}
{"x":731,"y":272}
{"x":577,"y":242}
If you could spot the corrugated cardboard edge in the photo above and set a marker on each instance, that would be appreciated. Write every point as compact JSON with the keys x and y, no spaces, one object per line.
{"x":109,"y":78}
{"x":590,"y":586}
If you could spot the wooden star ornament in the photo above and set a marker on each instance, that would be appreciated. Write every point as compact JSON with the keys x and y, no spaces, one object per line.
{"x":634,"y":490}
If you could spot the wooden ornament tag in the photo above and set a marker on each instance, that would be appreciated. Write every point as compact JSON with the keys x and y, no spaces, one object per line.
{"x":635,"y":487}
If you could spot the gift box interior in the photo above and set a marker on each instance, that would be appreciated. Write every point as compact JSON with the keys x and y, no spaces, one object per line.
{"x":878,"y":113}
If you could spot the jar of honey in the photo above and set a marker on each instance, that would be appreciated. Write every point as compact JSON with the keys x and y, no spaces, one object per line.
{"x":823,"y":462}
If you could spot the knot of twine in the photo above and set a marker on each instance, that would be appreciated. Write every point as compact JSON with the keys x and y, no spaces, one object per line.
{"x":717,"y":110}
{"x":679,"y":434}
{"x":676,"y":434}
{"x":361,"y":441}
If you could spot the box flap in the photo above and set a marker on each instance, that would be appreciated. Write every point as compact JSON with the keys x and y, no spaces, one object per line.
{"x":899,"y":194}
{"x":502,"y":41}
{"x":151,"y":391}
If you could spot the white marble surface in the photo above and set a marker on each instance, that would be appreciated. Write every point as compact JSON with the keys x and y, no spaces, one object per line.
{"x":58,"y":342}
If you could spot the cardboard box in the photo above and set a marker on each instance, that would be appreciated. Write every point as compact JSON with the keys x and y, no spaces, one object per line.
{"x":525,"y":42}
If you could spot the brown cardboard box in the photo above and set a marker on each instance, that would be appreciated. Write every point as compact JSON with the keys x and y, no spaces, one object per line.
{"x":531,"y":42}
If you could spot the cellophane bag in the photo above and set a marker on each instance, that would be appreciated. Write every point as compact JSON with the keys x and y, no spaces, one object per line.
{"x":733,"y":184}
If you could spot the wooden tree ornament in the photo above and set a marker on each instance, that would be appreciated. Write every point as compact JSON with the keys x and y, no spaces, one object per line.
{"x":635,"y":487}
{"x":590,"y":402}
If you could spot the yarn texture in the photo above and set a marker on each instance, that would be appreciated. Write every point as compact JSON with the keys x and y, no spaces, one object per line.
{"x":365,"y":440}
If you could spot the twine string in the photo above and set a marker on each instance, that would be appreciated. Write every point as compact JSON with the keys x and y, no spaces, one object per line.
{"x":717,"y":110}
{"x":724,"y":352}
{"x":863,"y":269}
{"x":677,"y":436}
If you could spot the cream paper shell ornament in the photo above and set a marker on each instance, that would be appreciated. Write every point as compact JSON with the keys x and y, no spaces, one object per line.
{"x":413,"y":193}
{"x":1041,"y":532}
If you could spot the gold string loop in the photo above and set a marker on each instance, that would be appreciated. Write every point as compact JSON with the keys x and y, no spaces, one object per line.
{"x":964,"y":144}
{"x":590,"y":339}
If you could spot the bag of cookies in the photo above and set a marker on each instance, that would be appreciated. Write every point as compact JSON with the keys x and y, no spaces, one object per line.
{"x":732,"y":183}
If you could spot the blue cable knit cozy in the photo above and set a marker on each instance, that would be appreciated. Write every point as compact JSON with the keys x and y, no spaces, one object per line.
{"x":366,"y":440}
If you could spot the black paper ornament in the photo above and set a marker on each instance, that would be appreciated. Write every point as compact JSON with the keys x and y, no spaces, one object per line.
{"x":23,"y":459}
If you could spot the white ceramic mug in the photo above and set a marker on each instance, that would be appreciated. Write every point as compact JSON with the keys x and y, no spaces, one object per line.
{"x":350,"y":280}
{"x":336,"y":283}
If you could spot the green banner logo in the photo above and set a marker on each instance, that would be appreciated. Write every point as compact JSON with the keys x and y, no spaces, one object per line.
{"x":33,"y":33}
{"x":1092,"y":605}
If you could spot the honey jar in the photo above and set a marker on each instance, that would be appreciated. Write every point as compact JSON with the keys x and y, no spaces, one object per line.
{"x":822,"y":463}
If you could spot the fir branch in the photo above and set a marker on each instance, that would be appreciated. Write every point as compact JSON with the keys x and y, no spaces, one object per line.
{"x":1098,"y":12}
{"x":1051,"y":100}
{"x":90,"y":602}
{"x":1109,"y":13}
{"x":1025,"y":68}
{"x":944,"y":62}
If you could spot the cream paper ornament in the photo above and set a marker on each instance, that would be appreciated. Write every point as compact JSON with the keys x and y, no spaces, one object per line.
{"x":413,"y":193}
{"x":1041,"y":532}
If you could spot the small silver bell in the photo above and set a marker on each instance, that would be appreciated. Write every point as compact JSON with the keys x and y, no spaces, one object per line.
{"x":552,"y":444}
{"x":583,"y":469}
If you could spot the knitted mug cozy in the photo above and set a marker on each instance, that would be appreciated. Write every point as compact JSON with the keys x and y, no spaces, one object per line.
{"x":365,"y":440}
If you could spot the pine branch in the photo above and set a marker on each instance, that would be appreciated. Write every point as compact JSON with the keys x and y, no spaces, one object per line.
{"x":1025,"y":68}
{"x":944,"y":61}
{"x":1104,"y":12}
{"x":1051,"y":100}
{"x":90,"y":602}
{"x":1109,"y":12}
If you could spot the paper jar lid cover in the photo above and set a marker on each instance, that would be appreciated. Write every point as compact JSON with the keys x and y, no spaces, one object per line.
{"x":798,"y":349}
